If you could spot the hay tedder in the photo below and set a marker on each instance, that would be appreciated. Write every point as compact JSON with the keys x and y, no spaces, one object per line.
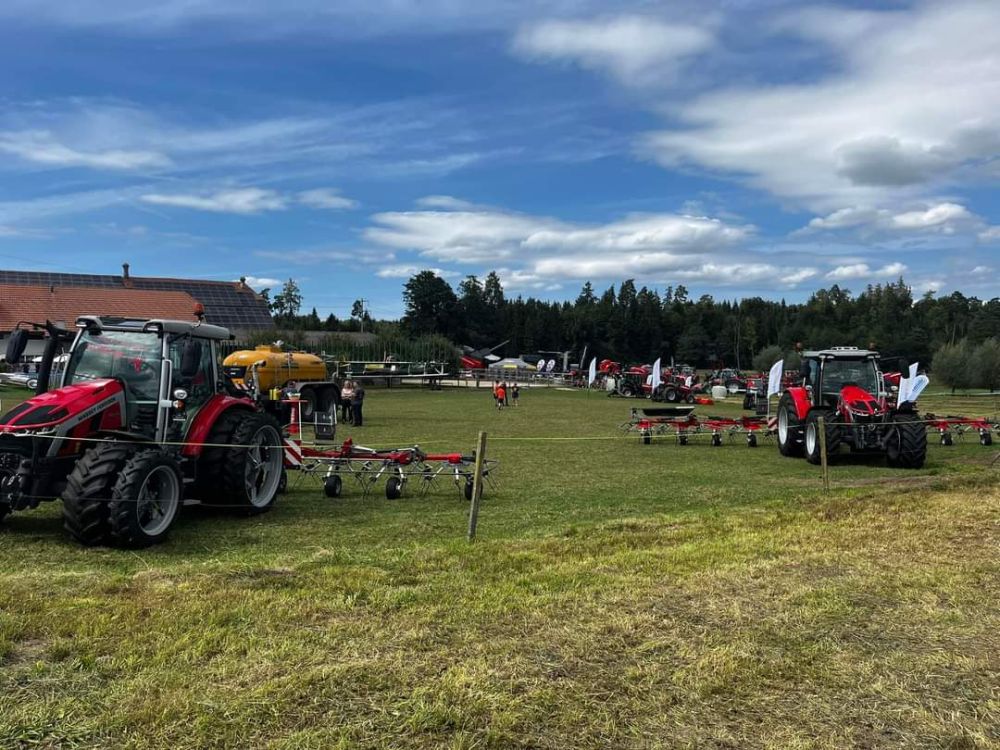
{"x":366,"y":467}
{"x":681,"y":423}
{"x":947,"y":427}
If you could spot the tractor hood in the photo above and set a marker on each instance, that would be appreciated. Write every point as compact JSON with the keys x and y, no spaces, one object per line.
{"x":859,"y":400}
{"x":77,"y":402}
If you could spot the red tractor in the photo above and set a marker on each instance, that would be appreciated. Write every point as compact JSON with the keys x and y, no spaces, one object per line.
{"x":845,"y":386}
{"x":142,"y":420}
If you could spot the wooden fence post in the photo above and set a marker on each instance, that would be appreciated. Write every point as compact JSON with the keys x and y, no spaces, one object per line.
{"x":821,"y":426}
{"x":477,"y":484}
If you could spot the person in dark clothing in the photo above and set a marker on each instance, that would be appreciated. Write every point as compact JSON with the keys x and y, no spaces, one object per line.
{"x":357,"y":402}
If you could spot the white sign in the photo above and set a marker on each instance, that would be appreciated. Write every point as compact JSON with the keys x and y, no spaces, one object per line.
{"x":592,"y":373}
{"x":774,"y":378}
{"x":657,"y":374}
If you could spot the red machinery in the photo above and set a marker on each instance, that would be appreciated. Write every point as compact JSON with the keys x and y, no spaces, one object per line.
{"x":368,"y":466}
{"x":945,"y":425}
{"x":683,"y":424}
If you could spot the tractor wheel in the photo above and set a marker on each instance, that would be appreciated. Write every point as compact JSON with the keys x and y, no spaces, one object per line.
{"x":985,"y":439}
{"x":333,"y":485}
{"x":689,"y":398}
{"x":252,"y":473}
{"x":627,"y":391}
{"x":671,"y":396}
{"x":812,"y":447}
{"x":393,"y":488}
{"x":906,"y":443}
{"x":9,"y":463}
{"x":789,"y":428}
{"x":215,"y":456}
{"x":88,"y":492}
{"x":146,"y":499}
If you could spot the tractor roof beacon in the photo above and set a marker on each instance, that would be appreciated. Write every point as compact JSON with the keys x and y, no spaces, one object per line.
{"x":141,"y":422}
{"x":845,"y":387}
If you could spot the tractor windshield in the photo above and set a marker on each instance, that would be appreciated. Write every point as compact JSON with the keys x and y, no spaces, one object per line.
{"x":132,"y":357}
{"x":840,"y":372}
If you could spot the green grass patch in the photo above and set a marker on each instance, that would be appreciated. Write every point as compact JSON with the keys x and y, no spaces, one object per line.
{"x":619,"y":595}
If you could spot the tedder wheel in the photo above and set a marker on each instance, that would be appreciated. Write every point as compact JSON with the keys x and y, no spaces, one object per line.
{"x":646,"y":438}
{"x":88,"y":492}
{"x":985,"y":438}
{"x":393,"y":488}
{"x":252,"y":473}
{"x":682,"y":439}
{"x":333,"y":485}
{"x":751,"y":440}
{"x":789,"y":428}
{"x":946,"y":438}
{"x":716,"y":440}
{"x":283,"y":482}
{"x":469,"y":487}
{"x":145,"y":500}
{"x":906,"y":442}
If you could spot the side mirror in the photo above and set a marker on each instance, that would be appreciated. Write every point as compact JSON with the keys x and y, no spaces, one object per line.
{"x":191,"y":358}
{"x":16,"y":345}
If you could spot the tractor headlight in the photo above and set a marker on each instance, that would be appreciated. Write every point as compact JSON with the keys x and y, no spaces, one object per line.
{"x":180,"y":394}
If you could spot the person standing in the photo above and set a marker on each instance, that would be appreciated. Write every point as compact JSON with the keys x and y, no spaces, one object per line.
{"x":346,"y":407}
{"x":506,"y":393}
{"x":515,"y":393}
{"x":357,"y":403}
{"x":501,"y":397}
{"x":496,"y":390}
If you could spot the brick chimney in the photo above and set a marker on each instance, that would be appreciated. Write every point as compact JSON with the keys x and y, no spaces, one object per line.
{"x":126,"y":279}
{"x":243,"y":282}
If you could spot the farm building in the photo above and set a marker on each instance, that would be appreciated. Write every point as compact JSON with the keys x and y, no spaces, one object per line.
{"x":62,"y":297}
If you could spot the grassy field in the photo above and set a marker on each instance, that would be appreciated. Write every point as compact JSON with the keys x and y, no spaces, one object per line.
{"x":619,"y":595}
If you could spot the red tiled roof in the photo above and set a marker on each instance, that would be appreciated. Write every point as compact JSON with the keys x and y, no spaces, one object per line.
{"x":64,"y":304}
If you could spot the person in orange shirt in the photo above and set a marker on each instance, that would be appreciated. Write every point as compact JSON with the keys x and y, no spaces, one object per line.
{"x":501,"y":396}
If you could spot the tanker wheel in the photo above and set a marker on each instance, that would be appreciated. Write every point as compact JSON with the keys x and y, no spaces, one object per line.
{"x":309,"y":405}
{"x":88,"y":492}
{"x":789,"y":428}
{"x":333,"y":485}
{"x":393,"y":488}
{"x":252,"y":473}
{"x":146,"y":499}
{"x":906,"y":443}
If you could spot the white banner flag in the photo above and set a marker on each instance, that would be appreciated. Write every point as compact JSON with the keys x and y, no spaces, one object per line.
{"x":917,"y":386}
{"x":592,"y":374}
{"x":657,"y":373}
{"x":774,"y":378}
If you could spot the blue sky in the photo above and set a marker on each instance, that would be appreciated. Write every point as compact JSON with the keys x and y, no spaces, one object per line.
{"x":739,"y":148}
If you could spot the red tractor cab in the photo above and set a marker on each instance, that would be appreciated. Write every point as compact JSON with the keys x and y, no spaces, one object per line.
{"x":142,"y":420}
{"x":845,"y":386}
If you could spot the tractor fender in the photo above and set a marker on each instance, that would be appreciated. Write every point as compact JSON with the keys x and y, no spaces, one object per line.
{"x":206,"y":418}
{"x":800,"y":398}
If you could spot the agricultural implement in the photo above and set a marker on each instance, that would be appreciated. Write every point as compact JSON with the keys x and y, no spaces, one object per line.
{"x":141,"y":423}
{"x":845,"y":388}
{"x":397,"y":468}
{"x":683,"y":424}
{"x":949,"y":426}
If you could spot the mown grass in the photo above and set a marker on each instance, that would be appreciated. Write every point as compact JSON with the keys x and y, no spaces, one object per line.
{"x":619,"y":595}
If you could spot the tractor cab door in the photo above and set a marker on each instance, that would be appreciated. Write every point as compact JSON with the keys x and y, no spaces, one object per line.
{"x":194,"y":373}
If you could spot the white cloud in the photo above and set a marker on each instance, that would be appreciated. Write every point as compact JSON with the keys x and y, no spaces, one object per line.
{"x":326,"y":198}
{"x":443,"y":201}
{"x":40,"y":147}
{"x":913,"y":96}
{"x":258,"y":283}
{"x":235,"y":201}
{"x":864,"y":271}
{"x":635,"y":49}
{"x":797,"y":277}
{"x":405,"y":272}
{"x":943,"y":217}
{"x":990,"y":234}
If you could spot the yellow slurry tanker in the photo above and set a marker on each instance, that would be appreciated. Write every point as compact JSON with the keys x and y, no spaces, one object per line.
{"x":268,"y":370}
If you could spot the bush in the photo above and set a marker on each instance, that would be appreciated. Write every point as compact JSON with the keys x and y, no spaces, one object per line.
{"x":985,"y":364}
{"x":766,"y":357}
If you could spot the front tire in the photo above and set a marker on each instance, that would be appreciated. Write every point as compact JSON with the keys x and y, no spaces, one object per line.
{"x":146,"y":500}
{"x":88,"y":492}
{"x":906,"y":443}
{"x":789,"y":428}
{"x":252,"y":473}
{"x":811,"y":439}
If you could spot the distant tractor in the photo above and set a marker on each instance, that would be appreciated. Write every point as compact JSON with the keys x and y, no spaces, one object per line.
{"x":142,"y":421}
{"x":845,"y":387}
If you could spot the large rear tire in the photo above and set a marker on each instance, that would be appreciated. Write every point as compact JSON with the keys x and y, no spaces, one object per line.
{"x":88,"y":492}
{"x":252,"y":472}
{"x":146,"y":500}
{"x":789,"y":428}
{"x":9,"y":463}
{"x":811,"y":438}
{"x":216,"y":454}
{"x":906,"y":443}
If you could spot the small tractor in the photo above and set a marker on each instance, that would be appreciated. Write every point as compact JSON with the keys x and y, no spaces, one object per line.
{"x":845,"y":387}
{"x":142,"y":421}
